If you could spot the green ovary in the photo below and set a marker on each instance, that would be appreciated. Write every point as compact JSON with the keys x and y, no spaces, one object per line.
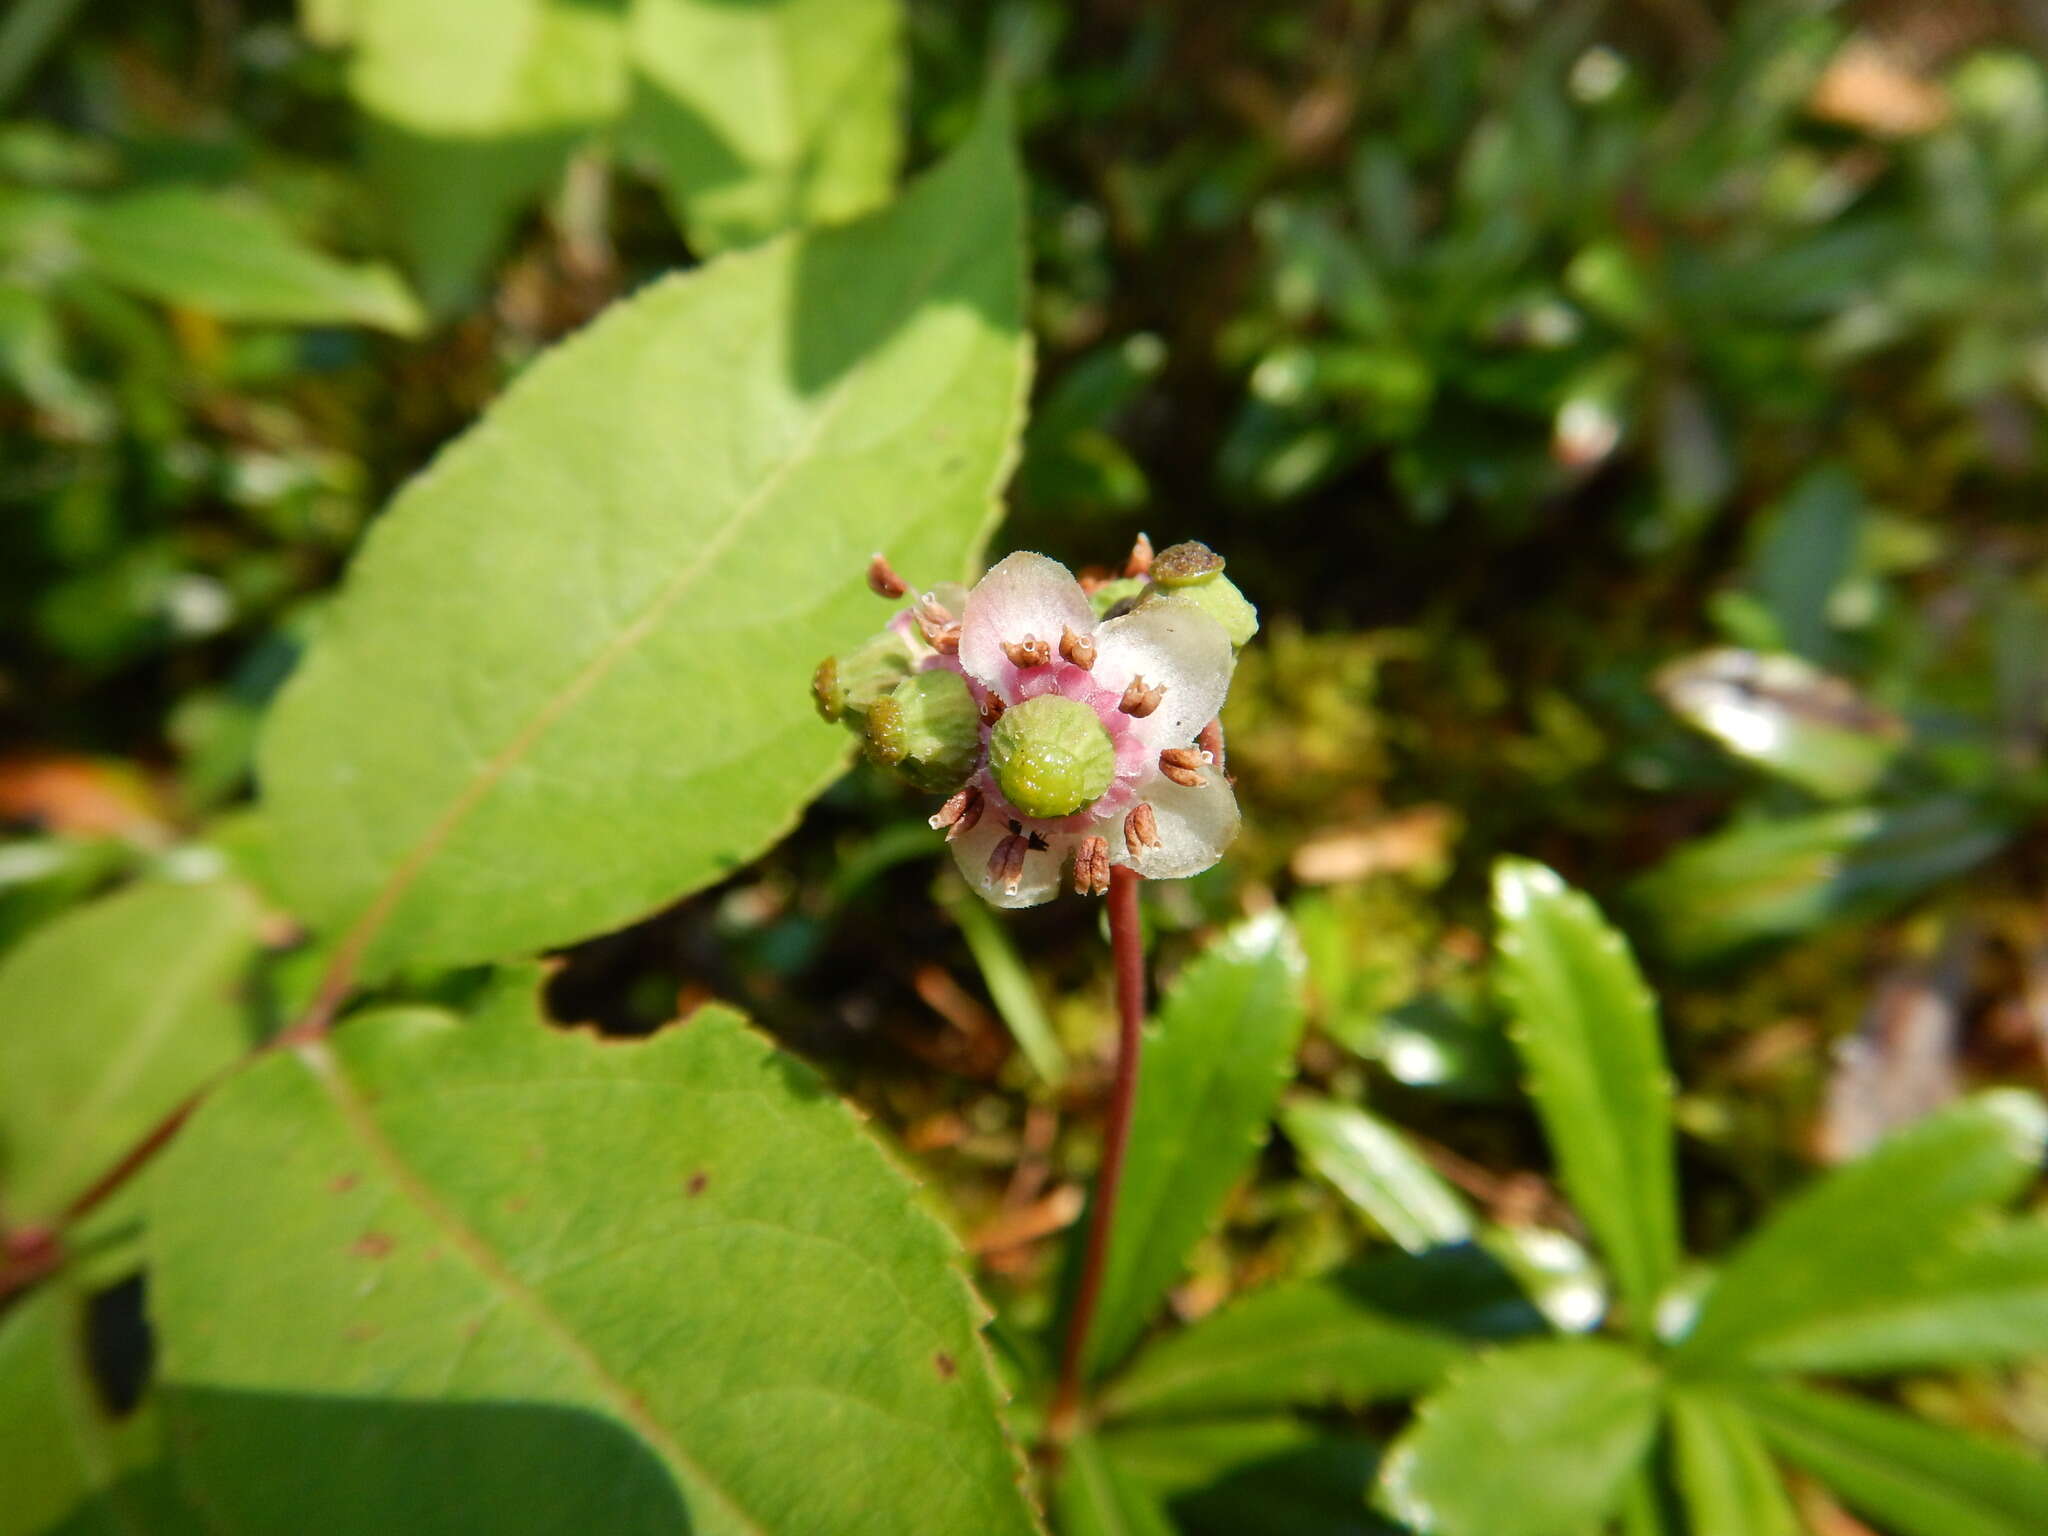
{"x":1051,"y":756}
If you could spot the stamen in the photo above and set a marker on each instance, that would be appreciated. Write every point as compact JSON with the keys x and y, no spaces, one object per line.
{"x":959,"y":814}
{"x":1078,"y":649}
{"x":992,"y":708}
{"x":1006,"y":864}
{"x":883,"y":580}
{"x":1091,"y":867}
{"x":1180,"y":764}
{"x":1138,"y":700}
{"x":1140,"y":563}
{"x":1028,"y":652}
{"x":1141,"y":829}
{"x":1211,"y":742}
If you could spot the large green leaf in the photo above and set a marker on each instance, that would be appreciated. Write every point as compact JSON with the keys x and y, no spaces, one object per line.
{"x":67,"y":1462}
{"x":498,"y":1277}
{"x":1725,"y":1475}
{"x":1373,"y":1167}
{"x":1533,"y":1440}
{"x":1917,"y":1479}
{"x":1884,"y":1263}
{"x":1210,"y":1072}
{"x":1330,"y":1340}
{"x":232,"y":258}
{"x":766,"y":116}
{"x":1586,"y":1028}
{"x":1096,"y":1497}
{"x":1273,"y":1475}
{"x":110,"y":1017}
{"x":568,"y":677}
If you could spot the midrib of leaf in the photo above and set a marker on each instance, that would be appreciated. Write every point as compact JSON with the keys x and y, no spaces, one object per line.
{"x":349,"y":953}
{"x":122,"y":1071}
{"x":491,"y":1267}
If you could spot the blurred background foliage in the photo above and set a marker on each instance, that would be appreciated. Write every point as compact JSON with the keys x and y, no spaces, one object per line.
{"x":1629,"y":418}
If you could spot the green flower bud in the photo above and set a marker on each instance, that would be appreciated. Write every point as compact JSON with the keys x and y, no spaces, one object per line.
{"x":1218,"y":597}
{"x":1051,"y":756}
{"x":1125,"y":589}
{"x":850,"y":684}
{"x":928,"y":729}
{"x":1186,"y":565}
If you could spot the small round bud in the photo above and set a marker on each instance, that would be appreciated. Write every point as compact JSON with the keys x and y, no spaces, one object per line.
{"x":850,"y":684}
{"x":825,"y":690}
{"x":1219,"y":598}
{"x":1051,"y":756}
{"x":1186,"y":565}
{"x":928,"y":730}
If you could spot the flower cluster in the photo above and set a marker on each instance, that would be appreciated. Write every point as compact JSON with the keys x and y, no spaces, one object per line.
{"x":1072,"y":728}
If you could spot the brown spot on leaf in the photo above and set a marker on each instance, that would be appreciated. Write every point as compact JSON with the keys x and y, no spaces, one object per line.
{"x":947,"y":1369}
{"x":694,"y":1185}
{"x":373,"y":1245}
{"x":342,"y":1183}
{"x":361,"y":1333}
{"x":517,"y":1204}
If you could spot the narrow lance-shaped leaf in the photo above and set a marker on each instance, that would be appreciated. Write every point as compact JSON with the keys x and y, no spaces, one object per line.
{"x":764,"y":117}
{"x":1533,"y":1440}
{"x":1376,"y":1170}
{"x":585,"y":635}
{"x":1725,"y":1474}
{"x":1586,"y":1028}
{"x":1096,"y":1497}
{"x":110,"y":1017}
{"x":495,"y":1276}
{"x":1276,"y":1475}
{"x":1212,"y":1067}
{"x":1918,"y":1479}
{"x":1885,"y":1263}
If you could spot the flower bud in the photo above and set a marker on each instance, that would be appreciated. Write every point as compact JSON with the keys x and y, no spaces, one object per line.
{"x":928,"y":730}
{"x":1218,"y":597}
{"x":850,"y":684}
{"x":1051,"y":756}
{"x":1186,"y":565}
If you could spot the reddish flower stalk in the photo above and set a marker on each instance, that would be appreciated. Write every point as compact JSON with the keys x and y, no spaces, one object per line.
{"x":1127,"y":946}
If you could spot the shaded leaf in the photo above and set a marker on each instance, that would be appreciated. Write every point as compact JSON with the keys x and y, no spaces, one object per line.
{"x":587,"y":631}
{"x":768,"y":116}
{"x":1374,"y":1168}
{"x":500,"y":1277}
{"x":1882,"y":1263}
{"x":1726,"y":1477}
{"x":232,"y":258}
{"x":110,"y":1018}
{"x":1586,"y":1028}
{"x":1533,"y":1440}
{"x":1095,"y":1497}
{"x":1275,"y":1476}
{"x":1918,"y":1479}
{"x":1212,"y":1068}
{"x":1786,"y":716}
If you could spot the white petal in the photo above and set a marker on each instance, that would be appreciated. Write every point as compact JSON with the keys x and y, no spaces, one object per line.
{"x":1044,"y":869}
{"x":1023,"y":594}
{"x":1175,"y":643}
{"x":1195,"y":826}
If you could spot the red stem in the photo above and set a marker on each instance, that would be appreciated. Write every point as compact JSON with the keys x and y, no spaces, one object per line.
{"x":1127,"y":946}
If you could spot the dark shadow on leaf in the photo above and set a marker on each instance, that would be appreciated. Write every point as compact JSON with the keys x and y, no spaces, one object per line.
{"x":1318,"y":1489}
{"x":289,"y":1464}
{"x":1460,"y":1287}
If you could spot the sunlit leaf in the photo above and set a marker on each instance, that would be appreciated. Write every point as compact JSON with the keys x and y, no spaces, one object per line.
{"x":493,"y":1276}
{"x":1096,"y":1497}
{"x":1586,"y":1027}
{"x":585,"y":634}
{"x":1376,"y":1170}
{"x":1786,"y":716}
{"x":1725,"y":1475}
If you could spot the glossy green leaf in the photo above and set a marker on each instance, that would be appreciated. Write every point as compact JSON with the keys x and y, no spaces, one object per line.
{"x":1884,"y":1264}
{"x":1276,"y":1476}
{"x":1786,"y":716}
{"x":1917,"y":1479}
{"x":586,"y":633}
{"x":1725,"y":1475}
{"x":1533,"y":1440}
{"x":1211,"y":1071}
{"x":1766,"y":880}
{"x":67,"y":1462}
{"x":1374,"y":1168}
{"x":1096,"y":1497}
{"x":1009,"y":982}
{"x":110,"y":1017}
{"x":1586,"y":1027}
{"x":232,"y":258}
{"x":1325,"y":1341}
{"x":767,"y":116}
{"x":496,"y":1276}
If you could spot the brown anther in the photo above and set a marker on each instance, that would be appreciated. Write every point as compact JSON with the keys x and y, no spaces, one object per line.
{"x":1028,"y":652}
{"x":992,"y":708}
{"x":1091,"y":867}
{"x":1211,"y":742}
{"x":945,"y":639}
{"x":959,"y":814}
{"x":1140,"y":563}
{"x":1006,"y":864}
{"x":1078,"y":649}
{"x":883,"y":580}
{"x":1141,"y":829}
{"x":1138,"y":700}
{"x":1182,"y":765}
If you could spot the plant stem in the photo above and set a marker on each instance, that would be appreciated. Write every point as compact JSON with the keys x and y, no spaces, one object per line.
{"x":1127,"y":946}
